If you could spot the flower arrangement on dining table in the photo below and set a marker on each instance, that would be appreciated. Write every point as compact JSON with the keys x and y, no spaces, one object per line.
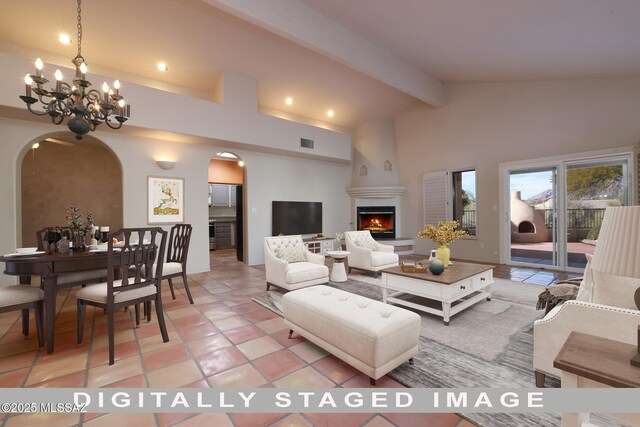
{"x":444,"y":234}
{"x":78,"y":228}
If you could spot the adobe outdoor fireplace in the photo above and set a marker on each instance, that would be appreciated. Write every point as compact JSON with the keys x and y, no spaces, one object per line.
{"x":379,"y":220}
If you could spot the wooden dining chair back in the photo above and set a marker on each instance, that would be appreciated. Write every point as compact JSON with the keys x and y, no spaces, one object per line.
{"x":137,"y":283}
{"x":177,"y":252}
{"x":24,"y":298}
{"x":41,"y":235}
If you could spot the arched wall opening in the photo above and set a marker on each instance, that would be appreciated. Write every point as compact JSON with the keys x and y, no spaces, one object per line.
{"x":63,"y":172}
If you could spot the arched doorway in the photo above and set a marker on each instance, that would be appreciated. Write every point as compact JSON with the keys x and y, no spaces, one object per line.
{"x":63,"y":172}
{"x":227,"y":183}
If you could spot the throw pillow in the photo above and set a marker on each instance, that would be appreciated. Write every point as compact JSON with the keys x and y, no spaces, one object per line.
{"x":617,"y":291}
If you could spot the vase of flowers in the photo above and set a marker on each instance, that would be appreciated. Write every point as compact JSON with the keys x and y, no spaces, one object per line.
{"x":77,"y":228}
{"x":339,"y":239}
{"x":444,"y":234}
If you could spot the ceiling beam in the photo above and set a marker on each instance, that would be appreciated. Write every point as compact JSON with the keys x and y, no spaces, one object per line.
{"x":301,"y":24}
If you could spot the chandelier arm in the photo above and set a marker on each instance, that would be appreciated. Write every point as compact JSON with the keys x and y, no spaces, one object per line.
{"x":109,"y":121}
{"x":43,"y":113}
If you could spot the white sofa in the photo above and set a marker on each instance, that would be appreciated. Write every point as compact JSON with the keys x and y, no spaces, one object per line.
{"x":367,"y":254}
{"x":289,"y":265}
{"x":605,"y":305}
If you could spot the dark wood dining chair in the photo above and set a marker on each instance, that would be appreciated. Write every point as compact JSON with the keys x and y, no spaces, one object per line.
{"x":25,"y":297}
{"x":177,"y":251}
{"x":138,"y":282}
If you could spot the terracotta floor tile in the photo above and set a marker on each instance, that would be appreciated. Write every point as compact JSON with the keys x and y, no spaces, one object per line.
{"x":152,"y":329}
{"x":308,"y":351}
{"x":344,"y":420}
{"x":253,"y":420}
{"x":101,"y":341}
{"x":431,"y":420}
{"x":75,"y":380}
{"x":122,"y":419}
{"x":246,"y":307}
{"x":207,"y":419}
{"x":190,"y":321}
{"x":57,"y":368}
{"x":14,"y":378}
{"x":171,"y":418}
{"x":208,"y":344}
{"x":306,"y":377}
{"x":293,"y":420}
{"x":197,"y":331}
{"x":43,"y":420}
{"x":282,"y":336}
{"x":229,"y":323}
{"x":272,"y":325}
{"x":378,"y":421}
{"x":259,"y":347}
{"x":260,"y":315}
{"x":221,"y":360}
{"x":335,"y":369}
{"x":165,"y":356}
{"x":175,"y":375}
{"x":11,"y":363}
{"x":278,"y":364}
{"x":121,"y":351}
{"x":182,"y":312}
{"x":245,"y":333}
{"x":465,"y":423}
{"x":137,"y":381}
{"x":102,"y":375}
{"x":245,"y":376}
{"x":155,"y":342}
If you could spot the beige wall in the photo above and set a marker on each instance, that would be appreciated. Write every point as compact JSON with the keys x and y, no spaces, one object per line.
{"x":485,"y":124}
{"x":225,"y":172}
{"x":86,"y":175}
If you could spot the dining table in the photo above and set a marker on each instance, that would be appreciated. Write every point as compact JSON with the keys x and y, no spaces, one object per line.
{"x":48,"y":266}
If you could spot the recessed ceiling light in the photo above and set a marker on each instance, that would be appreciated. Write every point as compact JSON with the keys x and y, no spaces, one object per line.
{"x":64,"y":38}
{"x":330,"y":113}
{"x":36,"y":145}
{"x":162,"y":66}
{"x":289,"y":100}
{"x":241,"y":163}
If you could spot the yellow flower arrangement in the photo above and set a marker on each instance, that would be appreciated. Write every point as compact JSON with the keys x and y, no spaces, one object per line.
{"x":444,"y":234}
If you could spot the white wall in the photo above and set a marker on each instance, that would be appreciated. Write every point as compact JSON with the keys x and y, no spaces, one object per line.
{"x":484,"y":124}
{"x":269,"y":177}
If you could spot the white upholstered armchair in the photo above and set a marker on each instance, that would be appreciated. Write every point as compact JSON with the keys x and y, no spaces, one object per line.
{"x":605,"y":306}
{"x":367,"y":254}
{"x":290,"y":265}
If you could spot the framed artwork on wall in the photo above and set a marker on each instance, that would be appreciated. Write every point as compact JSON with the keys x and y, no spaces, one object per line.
{"x":165,"y":200}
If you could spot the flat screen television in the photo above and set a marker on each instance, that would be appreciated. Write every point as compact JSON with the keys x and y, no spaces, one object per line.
{"x":296,"y":218}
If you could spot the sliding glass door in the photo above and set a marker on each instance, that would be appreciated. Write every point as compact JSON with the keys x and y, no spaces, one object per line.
{"x":555,"y":209}
{"x":533,"y":217}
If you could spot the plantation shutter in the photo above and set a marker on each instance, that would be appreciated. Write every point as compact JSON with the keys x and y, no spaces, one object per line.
{"x":436,"y":193}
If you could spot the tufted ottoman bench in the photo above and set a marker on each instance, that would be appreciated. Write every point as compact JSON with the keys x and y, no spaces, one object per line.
{"x":369,"y":335}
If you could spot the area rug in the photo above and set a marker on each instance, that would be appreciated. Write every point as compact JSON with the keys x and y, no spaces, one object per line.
{"x":488,"y":345}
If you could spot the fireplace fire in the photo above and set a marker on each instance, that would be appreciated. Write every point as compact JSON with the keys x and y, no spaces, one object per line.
{"x":379,"y":220}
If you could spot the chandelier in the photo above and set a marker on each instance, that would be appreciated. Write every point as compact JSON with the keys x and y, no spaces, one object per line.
{"x":89,"y":107}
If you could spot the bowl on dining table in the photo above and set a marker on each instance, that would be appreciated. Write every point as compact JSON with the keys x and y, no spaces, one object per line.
{"x":24,"y":251}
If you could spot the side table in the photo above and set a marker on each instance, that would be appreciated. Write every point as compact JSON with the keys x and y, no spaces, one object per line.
{"x":338,"y":272}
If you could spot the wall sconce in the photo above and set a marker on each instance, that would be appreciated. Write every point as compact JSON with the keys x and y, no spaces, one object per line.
{"x":165,"y":164}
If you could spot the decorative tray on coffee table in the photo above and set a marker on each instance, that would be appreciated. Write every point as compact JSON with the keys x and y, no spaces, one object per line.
{"x":413,"y":267}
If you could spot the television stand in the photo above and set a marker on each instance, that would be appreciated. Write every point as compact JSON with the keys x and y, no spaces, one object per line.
{"x":319,"y":245}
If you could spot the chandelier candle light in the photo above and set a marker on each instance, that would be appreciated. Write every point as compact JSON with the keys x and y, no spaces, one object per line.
{"x":89,"y":107}
{"x":443,"y":235}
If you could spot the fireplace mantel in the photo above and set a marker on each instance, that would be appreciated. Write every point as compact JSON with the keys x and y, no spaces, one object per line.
{"x":382,"y":192}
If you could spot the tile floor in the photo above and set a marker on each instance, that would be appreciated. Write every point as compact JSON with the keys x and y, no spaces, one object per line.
{"x":223,"y":340}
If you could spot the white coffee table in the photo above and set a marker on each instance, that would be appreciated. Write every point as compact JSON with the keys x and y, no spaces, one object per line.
{"x":460,"y":286}
{"x":338,"y":272}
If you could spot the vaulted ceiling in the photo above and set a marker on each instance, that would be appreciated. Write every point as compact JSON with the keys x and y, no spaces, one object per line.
{"x":364,"y":59}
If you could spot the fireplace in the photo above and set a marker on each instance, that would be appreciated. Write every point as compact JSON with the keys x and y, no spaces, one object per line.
{"x":379,"y":220}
